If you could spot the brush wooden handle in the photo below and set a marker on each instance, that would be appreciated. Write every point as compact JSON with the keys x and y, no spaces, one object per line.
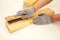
{"x":41,"y":3}
{"x":56,"y":18}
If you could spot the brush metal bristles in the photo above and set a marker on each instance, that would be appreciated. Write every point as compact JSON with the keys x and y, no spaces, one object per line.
{"x":42,"y":19}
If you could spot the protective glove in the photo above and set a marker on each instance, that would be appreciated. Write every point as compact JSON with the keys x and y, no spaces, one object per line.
{"x":26,"y":13}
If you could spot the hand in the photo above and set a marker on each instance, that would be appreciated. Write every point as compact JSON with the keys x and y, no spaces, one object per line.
{"x":26,"y":13}
{"x":42,"y":19}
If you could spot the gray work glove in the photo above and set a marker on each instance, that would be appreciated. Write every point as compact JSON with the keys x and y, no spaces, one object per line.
{"x":42,"y":19}
{"x":26,"y":13}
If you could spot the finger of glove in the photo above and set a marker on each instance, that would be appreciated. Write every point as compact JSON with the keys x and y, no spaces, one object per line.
{"x":21,"y":12}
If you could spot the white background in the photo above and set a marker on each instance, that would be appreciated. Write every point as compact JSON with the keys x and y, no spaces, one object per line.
{"x":32,"y":32}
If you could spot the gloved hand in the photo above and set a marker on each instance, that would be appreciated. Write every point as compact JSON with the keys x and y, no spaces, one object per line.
{"x":46,"y":19}
{"x":42,"y":19}
{"x":26,"y":13}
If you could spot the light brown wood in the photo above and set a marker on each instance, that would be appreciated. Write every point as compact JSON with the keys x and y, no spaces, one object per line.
{"x":9,"y":18}
{"x":29,"y":3}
